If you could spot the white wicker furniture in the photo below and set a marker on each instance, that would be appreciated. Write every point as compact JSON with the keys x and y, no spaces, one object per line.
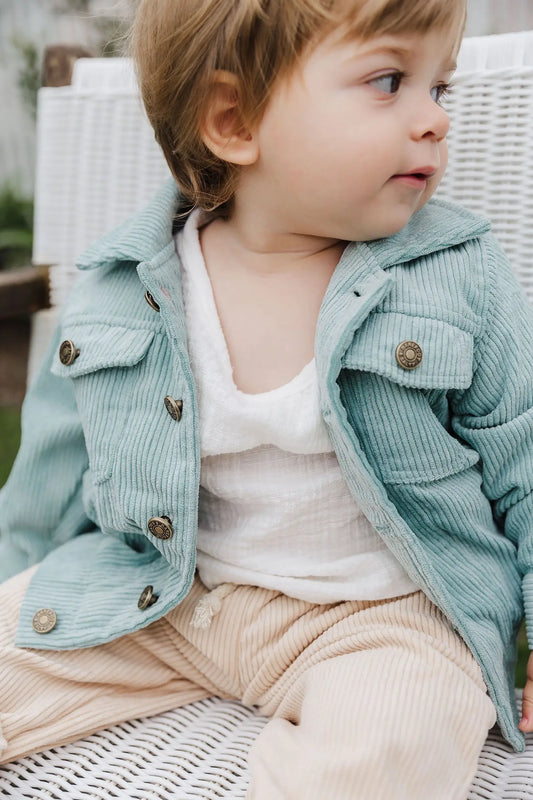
{"x":98,"y":163}
{"x":199,"y":752}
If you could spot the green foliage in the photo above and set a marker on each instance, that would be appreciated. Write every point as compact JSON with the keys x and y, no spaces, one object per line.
{"x":29,"y":74}
{"x":15,"y":211}
{"x":16,"y":226}
{"x":9,"y":440}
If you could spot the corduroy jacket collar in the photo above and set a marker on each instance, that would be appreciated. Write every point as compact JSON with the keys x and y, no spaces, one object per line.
{"x":437,"y":226}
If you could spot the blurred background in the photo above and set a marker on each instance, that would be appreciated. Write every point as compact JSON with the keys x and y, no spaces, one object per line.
{"x":39,"y":42}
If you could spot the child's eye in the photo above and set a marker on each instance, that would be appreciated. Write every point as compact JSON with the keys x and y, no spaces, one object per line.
{"x":440,"y":90}
{"x":389,"y":84}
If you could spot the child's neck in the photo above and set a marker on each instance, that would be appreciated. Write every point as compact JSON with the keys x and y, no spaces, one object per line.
{"x":262,"y":240}
{"x":268,"y":288}
{"x":279,"y":255}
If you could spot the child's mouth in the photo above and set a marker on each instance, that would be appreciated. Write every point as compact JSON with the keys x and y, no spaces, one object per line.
{"x":418,"y":180}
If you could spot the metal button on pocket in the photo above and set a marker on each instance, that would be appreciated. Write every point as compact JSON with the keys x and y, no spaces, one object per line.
{"x":408,"y":354}
{"x":68,"y":352}
{"x":44,"y":620}
{"x":151,"y":302}
{"x":147,"y":598}
{"x":174,"y":407}
{"x":161,"y":527}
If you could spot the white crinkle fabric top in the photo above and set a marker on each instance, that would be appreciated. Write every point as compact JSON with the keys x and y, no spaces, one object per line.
{"x":275,"y":510}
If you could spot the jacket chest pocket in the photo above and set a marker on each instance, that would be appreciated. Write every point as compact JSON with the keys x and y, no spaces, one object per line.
{"x":434,"y":355}
{"x":397,"y":370}
{"x":104,"y":363}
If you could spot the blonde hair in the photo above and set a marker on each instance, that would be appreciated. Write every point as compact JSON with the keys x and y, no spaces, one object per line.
{"x":177,"y":45}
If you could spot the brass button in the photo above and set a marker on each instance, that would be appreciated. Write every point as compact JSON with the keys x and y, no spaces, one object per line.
{"x":151,"y":302}
{"x":147,"y":598}
{"x":408,"y":355}
{"x":174,"y":407}
{"x":161,"y":527}
{"x":68,"y":352}
{"x":44,"y":620}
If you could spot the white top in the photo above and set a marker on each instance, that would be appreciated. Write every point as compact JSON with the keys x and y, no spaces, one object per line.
{"x":275,"y":510}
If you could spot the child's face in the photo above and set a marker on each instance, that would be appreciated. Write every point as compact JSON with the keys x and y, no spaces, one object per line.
{"x":356,"y":144}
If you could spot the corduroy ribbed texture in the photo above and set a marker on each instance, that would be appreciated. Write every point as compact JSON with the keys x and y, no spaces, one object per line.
{"x":369,"y":699}
{"x":412,"y":445}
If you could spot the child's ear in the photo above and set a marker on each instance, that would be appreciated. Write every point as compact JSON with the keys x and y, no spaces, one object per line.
{"x":222,"y":128}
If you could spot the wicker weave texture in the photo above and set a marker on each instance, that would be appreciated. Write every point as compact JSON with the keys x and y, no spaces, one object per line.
{"x":97,"y":163}
{"x":198,"y":752}
{"x":490,"y":169}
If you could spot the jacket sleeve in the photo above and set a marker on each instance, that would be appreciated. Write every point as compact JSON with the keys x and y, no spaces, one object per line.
{"x":41,"y":503}
{"x":495,"y":414}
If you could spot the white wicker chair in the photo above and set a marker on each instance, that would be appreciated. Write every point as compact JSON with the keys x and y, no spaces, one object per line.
{"x":97,"y":163}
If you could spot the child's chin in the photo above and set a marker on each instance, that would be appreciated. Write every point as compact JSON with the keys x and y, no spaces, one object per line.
{"x":391,"y":228}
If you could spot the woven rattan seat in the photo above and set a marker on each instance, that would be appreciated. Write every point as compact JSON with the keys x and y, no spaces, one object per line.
{"x":200,"y":752}
{"x":97,"y":164}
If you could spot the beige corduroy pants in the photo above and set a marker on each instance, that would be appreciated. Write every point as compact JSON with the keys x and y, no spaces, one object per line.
{"x":369,"y":700}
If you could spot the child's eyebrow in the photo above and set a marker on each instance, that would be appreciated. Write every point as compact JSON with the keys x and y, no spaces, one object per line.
{"x":400,"y":52}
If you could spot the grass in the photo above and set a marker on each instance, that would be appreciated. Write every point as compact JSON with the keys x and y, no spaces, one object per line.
{"x":16,"y":228}
{"x":10,"y":439}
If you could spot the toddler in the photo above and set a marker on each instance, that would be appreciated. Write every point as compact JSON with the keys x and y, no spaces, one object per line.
{"x":280,"y":447}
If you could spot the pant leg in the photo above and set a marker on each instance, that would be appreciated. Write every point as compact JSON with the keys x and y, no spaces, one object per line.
{"x":49,"y":698}
{"x":387,"y":704}
{"x":269,"y":650}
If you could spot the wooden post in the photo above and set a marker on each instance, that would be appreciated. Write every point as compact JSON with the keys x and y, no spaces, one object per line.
{"x":59,"y":61}
{"x":23,"y":291}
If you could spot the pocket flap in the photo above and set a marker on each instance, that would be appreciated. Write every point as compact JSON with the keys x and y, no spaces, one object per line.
{"x":447,"y":351}
{"x":101,"y":346}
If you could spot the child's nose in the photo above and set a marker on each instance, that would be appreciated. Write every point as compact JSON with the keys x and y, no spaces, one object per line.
{"x":431,"y":121}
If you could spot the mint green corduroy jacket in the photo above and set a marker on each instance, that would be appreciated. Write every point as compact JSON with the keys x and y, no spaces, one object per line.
{"x":439,"y":457}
